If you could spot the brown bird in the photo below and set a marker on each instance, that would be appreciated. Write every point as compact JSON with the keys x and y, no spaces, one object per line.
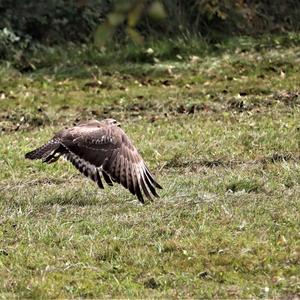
{"x":96,"y":148}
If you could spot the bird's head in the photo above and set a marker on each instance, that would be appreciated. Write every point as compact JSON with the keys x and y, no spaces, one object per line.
{"x":112,"y":122}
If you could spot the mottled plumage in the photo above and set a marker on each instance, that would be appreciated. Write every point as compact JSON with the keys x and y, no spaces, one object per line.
{"x":101,"y":148}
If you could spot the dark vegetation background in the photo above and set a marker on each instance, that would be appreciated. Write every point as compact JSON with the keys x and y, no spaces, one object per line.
{"x":27,"y":26}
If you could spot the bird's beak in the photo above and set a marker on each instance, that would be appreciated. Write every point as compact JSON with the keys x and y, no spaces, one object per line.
{"x":119,"y":124}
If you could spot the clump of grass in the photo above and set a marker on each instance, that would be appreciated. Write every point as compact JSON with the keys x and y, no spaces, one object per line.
{"x":246,"y":185}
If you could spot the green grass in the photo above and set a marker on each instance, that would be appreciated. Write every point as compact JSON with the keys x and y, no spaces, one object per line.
{"x":221,"y":133}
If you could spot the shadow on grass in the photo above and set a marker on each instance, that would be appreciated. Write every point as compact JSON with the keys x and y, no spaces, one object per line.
{"x":276,"y":157}
{"x":75,"y":197}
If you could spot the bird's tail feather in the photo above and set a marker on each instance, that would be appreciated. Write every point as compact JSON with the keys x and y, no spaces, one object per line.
{"x":44,"y":152}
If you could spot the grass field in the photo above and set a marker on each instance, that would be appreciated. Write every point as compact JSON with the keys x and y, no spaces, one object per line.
{"x":221,"y":132}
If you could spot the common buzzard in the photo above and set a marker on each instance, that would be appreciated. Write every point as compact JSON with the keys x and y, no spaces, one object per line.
{"x":96,"y":148}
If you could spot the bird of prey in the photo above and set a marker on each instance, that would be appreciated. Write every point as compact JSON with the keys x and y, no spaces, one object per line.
{"x":101,"y":147}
